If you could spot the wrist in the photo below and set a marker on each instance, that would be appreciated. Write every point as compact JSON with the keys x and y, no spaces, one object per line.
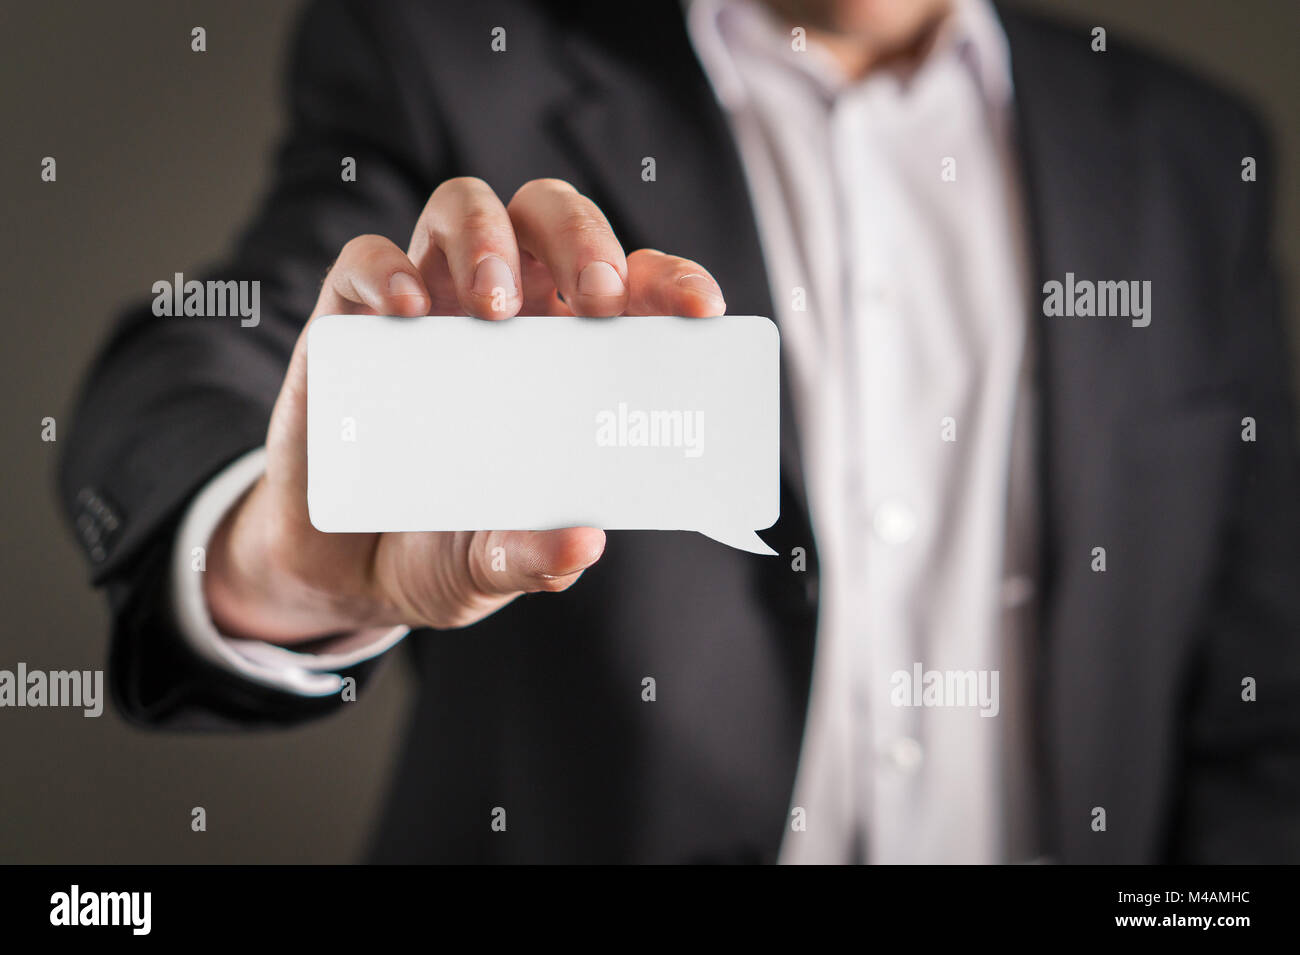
{"x":259,"y":583}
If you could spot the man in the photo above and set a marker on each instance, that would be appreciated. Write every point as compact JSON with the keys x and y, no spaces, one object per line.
{"x":1093,"y":515}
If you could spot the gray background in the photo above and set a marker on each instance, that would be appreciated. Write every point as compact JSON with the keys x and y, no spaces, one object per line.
{"x":161,"y":156}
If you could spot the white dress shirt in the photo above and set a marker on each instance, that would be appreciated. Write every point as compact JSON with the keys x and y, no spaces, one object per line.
{"x":915,"y":313}
{"x":900,"y":295}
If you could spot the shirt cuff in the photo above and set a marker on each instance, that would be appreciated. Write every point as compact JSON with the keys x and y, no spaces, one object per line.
{"x":292,"y":671}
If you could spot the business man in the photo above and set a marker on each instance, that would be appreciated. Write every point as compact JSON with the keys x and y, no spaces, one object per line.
{"x":1091,"y":507}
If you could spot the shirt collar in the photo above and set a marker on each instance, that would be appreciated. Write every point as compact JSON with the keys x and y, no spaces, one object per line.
{"x":718,"y":27}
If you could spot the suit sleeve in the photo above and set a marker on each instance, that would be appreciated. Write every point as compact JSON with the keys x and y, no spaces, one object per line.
{"x":1241,"y":801}
{"x":170,"y":401}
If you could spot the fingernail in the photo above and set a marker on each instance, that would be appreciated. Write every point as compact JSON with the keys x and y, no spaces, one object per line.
{"x":493,"y":273}
{"x":702,"y":285}
{"x":600,"y":278}
{"x":399,"y":283}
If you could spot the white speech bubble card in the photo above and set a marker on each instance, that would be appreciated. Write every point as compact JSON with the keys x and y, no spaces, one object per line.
{"x":447,"y":423}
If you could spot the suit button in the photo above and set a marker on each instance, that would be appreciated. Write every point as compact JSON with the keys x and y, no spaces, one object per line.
{"x":87,"y":529}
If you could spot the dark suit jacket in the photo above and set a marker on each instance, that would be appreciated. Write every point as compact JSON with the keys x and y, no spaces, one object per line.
{"x":1132,"y":169}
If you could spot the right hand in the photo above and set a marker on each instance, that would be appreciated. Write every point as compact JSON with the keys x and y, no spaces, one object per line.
{"x":272,"y":576}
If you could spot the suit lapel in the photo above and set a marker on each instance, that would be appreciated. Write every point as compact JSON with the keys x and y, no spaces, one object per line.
{"x":1081,"y":153}
{"x":1079,"y":186}
{"x":622,"y":111}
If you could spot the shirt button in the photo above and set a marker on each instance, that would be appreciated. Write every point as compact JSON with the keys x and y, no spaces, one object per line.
{"x":905,"y":754}
{"x":878,"y":294}
{"x":893,"y":522}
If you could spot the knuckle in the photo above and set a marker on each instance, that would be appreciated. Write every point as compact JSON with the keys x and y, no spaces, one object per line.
{"x":360,"y":247}
{"x":479,"y":220}
{"x":377,"y":262}
{"x":672,"y":266}
{"x":469,"y":185}
{"x":543,"y":187}
{"x":664,"y":265}
{"x":450,"y":594}
{"x":365,"y":256}
{"x":456,"y":199}
{"x":580,"y":226}
{"x":471,"y":577}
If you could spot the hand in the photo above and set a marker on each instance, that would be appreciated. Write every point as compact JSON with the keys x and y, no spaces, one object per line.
{"x":272,"y":576}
